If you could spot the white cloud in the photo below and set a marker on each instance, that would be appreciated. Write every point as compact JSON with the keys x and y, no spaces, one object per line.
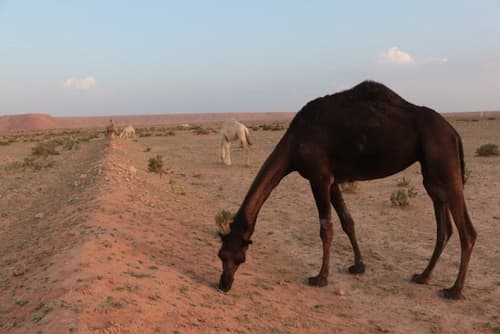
{"x":436,"y":60}
{"x":80,"y":83}
{"x":396,"y":56}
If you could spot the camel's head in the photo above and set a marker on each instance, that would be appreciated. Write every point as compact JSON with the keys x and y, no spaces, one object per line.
{"x":232,"y":252}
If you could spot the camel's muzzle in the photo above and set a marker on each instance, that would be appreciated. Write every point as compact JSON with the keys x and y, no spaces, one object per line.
{"x":225,"y":282}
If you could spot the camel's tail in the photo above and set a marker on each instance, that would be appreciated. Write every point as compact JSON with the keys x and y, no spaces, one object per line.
{"x":462,"y":161}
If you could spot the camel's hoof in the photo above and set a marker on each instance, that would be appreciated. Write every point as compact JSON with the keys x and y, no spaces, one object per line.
{"x":452,"y":293}
{"x":318,"y":281}
{"x":357,"y":268}
{"x":420,"y":279}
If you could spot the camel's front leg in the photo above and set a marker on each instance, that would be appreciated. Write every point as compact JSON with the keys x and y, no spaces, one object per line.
{"x":321,"y":192}
{"x":225,"y":152}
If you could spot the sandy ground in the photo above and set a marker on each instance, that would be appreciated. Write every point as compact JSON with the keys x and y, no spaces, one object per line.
{"x":90,"y":246}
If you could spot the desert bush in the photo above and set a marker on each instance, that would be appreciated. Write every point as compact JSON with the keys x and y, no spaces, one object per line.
{"x":69,"y":143}
{"x":401,"y":197}
{"x":4,"y":142}
{"x":45,"y":149}
{"x":37,"y":164}
{"x":146,"y":134}
{"x":349,"y":187}
{"x":183,"y":127}
{"x":155,"y":164}
{"x":272,"y":127}
{"x":467,"y":174}
{"x":222,"y":219}
{"x":487,"y":150}
{"x":403,"y":182}
{"x":201,"y":131}
{"x":12,"y":166}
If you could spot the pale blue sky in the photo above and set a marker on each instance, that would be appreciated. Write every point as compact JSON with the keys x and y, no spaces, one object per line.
{"x":148,"y":57}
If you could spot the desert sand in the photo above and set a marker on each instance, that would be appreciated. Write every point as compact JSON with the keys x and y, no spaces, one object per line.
{"x":97,"y":244}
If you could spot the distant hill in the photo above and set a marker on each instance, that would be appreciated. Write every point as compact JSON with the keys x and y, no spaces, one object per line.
{"x":28,"y":122}
{"x":43,"y":121}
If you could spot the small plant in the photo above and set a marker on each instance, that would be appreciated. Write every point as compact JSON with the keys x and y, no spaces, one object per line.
{"x":401,"y":197}
{"x":22,"y":302}
{"x":222,"y":219}
{"x":155,"y":165}
{"x":403,"y":182}
{"x":349,"y":187}
{"x":388,"y":266}
{"x":487,"y":150}
{"x":467,"y":174}
{"x":112,"y":303}
{"x":45,"y":149}
{"x":37,"y":164}
{"x":138,"y":275}
{"x":202,"y":131}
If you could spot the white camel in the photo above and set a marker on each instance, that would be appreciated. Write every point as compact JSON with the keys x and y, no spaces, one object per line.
{"x":233,"y":130}
{"x":128,"y":132}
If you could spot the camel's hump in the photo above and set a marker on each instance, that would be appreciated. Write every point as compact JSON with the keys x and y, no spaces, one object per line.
{"x":372,"y":91}
{"x":367,"y":92}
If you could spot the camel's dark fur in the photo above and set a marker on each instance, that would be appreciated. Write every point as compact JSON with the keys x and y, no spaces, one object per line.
{"x":364,"y":133}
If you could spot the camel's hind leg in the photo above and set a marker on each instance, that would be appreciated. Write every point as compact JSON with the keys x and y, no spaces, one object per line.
{"x":467,"y":235}
{"x":444,"y":231}
{"x":348,"y":227}
{"x":450,"y":198}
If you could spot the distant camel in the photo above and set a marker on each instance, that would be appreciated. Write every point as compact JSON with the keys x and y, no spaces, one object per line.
{"x":128,"y":132}
{"x":233,"y":130}
{"x":111,"y":130}
{"x":364,"y":133}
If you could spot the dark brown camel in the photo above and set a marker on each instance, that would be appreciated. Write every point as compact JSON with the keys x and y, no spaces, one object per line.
{"x":111,"y":130}
{"x":364,"y":133}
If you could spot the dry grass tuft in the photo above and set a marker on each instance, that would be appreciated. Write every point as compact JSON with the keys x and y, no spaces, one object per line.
{"x":222,"y":219}
{"x":487,"y":150}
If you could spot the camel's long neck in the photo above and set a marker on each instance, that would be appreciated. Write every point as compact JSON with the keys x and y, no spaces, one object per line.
{"x":269,"y":176}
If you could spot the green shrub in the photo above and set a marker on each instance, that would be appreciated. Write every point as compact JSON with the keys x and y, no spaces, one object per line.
{"x":403,"y":182}
{"x":45,"y":149}
{"x":349,"y":187}
{"x":202,"y":131}
{"x":37,"y":164}
{"x":155,"y":165}
{"x":487,"y":150}
{"x":13,"y":166}
{"x":222,"y":219}
{"x":467,"y":174}
{"x":401,"y":197}
{"x":272,"y":127}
